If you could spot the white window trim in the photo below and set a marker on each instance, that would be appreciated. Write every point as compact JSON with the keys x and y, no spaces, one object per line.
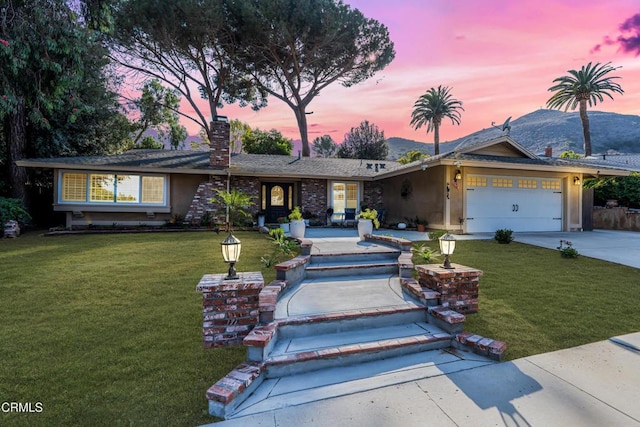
{"x":358,"y":192}
{"x":61,"y":205}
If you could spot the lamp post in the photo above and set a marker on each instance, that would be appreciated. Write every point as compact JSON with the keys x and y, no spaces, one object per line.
{"x":231,"y":247}
{"x":447,"y":246}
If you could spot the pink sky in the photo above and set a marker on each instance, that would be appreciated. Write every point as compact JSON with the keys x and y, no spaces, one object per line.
{"x":499,"y":57}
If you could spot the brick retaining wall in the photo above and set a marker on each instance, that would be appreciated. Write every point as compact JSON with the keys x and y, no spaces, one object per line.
{"x":458,"y":287}
{"x":229,"y":307}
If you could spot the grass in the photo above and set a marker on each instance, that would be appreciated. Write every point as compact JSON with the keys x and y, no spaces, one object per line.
{"x":107,"y":329}
{"x":537,"y":301}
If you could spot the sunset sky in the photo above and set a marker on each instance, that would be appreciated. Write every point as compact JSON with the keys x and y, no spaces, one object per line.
{"x":499,"y":57}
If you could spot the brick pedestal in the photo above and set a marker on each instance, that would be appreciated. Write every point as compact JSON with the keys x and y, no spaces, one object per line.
{"x":230,"y":307}
{"x":458,"y":287}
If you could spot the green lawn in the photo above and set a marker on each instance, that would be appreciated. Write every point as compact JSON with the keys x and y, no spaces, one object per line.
{"x":106,"y":329}
{"x":537,"y":301}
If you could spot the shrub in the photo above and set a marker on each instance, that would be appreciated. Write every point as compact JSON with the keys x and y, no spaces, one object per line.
{"x":12,"y":209}
{"x":567,"y":251}
{"x":504,"y":236}
{"x":435,"y":235}
{"x":426,"y":253}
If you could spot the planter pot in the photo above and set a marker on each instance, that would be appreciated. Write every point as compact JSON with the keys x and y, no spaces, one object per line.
{"x":402,"y":226}
{"x":297,"y":229}
{"x":421,"y":228}
{"x":365,"y":226}
{"x":285,"y":227}
{"x":260,"y":220}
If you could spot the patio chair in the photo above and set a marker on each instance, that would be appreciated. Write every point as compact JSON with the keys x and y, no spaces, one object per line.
{"x":349,"y":217}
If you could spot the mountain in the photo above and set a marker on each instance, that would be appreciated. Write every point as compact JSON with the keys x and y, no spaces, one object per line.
{"x":539,"y":129}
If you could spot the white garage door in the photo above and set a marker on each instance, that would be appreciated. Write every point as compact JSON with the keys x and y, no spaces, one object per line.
{"x":515,"y":203}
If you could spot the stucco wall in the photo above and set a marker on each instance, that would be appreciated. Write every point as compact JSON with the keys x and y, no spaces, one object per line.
{"x":424,"y":196}
{"x":183,"y":187}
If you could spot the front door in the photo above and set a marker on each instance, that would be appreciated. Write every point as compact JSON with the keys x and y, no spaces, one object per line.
{"x":278,"y":200}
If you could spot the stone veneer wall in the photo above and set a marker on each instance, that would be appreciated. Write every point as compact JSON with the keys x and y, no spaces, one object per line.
{"x":314,"y":197}
{"x":230,"y":308}
{"x":373,"y":196}
{"x":458,"y":287}
{"x":202,"y":204}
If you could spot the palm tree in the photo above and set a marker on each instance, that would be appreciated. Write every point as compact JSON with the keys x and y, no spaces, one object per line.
{"x":431,"y":108}
{"x":579,"y":88}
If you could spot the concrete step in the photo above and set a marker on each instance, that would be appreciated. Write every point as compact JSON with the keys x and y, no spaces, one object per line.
{"x":351,"y":269}
{"x":354,"y":258}
{"x":306,"y":354}
{"x":333,"y":323}
{"x":276,"y":393}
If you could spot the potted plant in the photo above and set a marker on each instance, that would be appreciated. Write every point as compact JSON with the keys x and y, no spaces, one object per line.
{"x":284,"y":223}
{"x":367,"y":219}
{"x":297,"y":223}
{"x":421,"y":224}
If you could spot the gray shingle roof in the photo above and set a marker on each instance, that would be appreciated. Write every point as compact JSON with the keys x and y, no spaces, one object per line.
{"x":183,"y":161}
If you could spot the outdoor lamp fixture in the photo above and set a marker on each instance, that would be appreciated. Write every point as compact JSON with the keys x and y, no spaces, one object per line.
{"x":447,"y":246}
{"x":231,"y":247}
{"x":458,"y":175}
{"x":576,"y":180}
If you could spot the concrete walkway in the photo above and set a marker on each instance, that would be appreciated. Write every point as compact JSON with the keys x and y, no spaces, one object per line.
{"x":596,"y":384}
{"x":592,"y":385}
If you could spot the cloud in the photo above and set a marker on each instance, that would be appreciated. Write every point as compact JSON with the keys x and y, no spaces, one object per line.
{"x":628,"y":40}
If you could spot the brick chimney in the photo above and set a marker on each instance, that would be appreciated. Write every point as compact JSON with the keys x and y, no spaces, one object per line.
{"x":548,"y":151}
{"x":219,"y":145}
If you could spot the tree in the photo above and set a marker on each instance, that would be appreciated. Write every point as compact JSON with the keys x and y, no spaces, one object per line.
{"x":158,"y":106}
{"x":581,"y":88}
{"x":54,"y":94}
{"x":236,"y":132}
{"x":186,"y":44}
{"x":364,"y":142}
{"x":293,"y":49}
{"x":429,"y":110}
{"x":324,"y":146}
{"x":412,"y":156}
{"x":570,"y":155}
{"x":258,"y":141}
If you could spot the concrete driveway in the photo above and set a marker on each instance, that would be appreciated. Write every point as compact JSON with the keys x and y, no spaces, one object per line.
{"x":620,"y":247}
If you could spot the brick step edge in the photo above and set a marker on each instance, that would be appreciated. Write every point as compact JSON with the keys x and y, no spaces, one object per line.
{"x":426,"y":296}
{"x":262,"y":335}
{"x":321,"y":267}
{"x":229,"y":387}
{"x":488,"y":347}
{"x":362,"y":348}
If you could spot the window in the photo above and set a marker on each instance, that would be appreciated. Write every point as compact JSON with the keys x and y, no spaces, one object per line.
{"x":74,"y":187}
{"x":550,"y":185}
{"x":153,"y":189}
{"x":107,"y":188}
{"x":502,"y":182}
{"x":476,"y":181}
{"x":345,"y":195}
{"x":527,"y":183}
{"x":277,"y":196}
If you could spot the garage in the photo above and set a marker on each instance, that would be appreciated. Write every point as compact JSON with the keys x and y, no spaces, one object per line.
{"x":515,"y":203}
